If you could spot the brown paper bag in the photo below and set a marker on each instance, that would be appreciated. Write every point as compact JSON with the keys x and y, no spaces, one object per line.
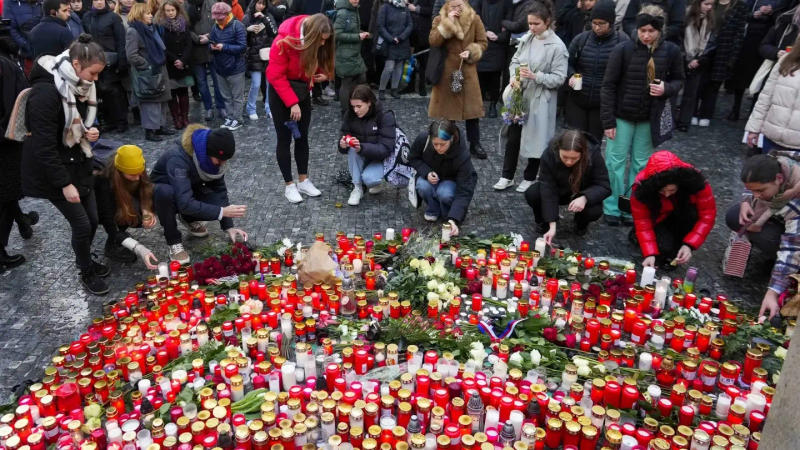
{"x":317,"y":265}
{"x":792,"y":306}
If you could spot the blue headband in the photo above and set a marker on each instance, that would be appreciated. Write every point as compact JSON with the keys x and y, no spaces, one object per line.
{"x":444,"y":135}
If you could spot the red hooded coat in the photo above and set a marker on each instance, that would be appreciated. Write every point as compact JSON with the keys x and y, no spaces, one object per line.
{"x":285,"y":64}
{"x":703,"y":199}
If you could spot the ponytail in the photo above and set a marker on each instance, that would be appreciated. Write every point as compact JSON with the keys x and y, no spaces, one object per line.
{"x":86,"y":51}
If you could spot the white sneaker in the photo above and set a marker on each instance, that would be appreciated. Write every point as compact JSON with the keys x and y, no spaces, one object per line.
{"x":292,"y":194}
{"x":226,"y":124}
{"x":704,"y":122}
{"x":234,"y":125}
{"x":503,"y":183}
{"x":178,"y":253}
{"x":524,"y":186}
{"x":196,"y":229}
{"x":253,"y":116}
{"x":431,"y":218}
{"x":355,"y":196}
{"x":694,"y":121}
{"x":308,"y":188}
{"x":377,"y":189}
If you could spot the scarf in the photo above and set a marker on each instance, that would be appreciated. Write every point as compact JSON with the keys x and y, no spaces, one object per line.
{"x":153,"y":44}
{"x":72,"y":89}
{"x":205,"y":168}
{"x":176,"y":25}
{"x":695,"y":39}
{"x":399,"y":3}
{"x":124,"y":9}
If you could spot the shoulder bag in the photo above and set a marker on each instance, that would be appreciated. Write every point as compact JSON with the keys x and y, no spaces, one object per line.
{"x":435,"y":67}
{"x":148,"y":84}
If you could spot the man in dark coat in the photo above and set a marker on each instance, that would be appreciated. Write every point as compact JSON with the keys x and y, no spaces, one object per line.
{"x":190,"y":180}
{"x":24,"y":15}
{"x":51,"y":36}
{"x":491,"y":66}
{"x":421,"y":15}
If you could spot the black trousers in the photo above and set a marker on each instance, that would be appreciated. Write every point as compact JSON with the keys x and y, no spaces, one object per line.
{"x":579,"y":114}
{"x":280,"y":115}
{"x":591,"y":212}
{"x":167,"y":210}
{"x":10,"y":212}
{"x":115,"y":103}
{"x":82,"y":218}
{"x":512,"y":155}
{"x":692,"y":95}
{"x":670,"y":233}
{"x":490,"y":85}
{"x":473,"y":131}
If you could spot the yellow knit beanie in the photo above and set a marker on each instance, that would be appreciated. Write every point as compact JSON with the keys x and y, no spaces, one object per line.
{"x":129,"y":160}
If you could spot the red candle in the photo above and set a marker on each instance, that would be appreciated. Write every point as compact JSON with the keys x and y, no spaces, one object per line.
{"x":630,"y":276}
{"x":629,"y":397}
{"x":629,"y":319}
{"x":611,"y":394}
{"x":639,"y":332}
{"x":664,"y":407}
{"x":686,"y":415}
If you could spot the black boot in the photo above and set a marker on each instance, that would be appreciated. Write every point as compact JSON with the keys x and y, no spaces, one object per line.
{"x":24,"y":226}
{"x":93,"y":283}
{"x":477,"y":151}
{"x":394,"y":93}
{"x":492,"y":110}
{"x":164,"y":131}
{"x":151,"y":135}
{"x":8,"y":261}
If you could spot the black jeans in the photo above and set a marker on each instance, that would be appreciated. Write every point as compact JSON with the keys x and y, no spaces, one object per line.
{"x":280,"y":115}
{"x":167,"y":210}
{"x":82,"y":218}
{"x":691,"y":95}
{"x":578,"y":114}
{"x":490,"y":85}
{"x":767,"y":240}
{"x":115,"y":103}
{"x":512,"y":155}
{"x":709,"y":91}
{"x":9,"y":213}
{"x":590,"y":213}
{"x":473,"y":131}
{"x":670,"y":233}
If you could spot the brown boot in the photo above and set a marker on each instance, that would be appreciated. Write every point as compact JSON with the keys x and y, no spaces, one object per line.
{"x":183,"y":102}
{"x":174,"y":110}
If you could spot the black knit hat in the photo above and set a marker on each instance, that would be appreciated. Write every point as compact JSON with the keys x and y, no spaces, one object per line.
{"x":220,"y":144}
{"x":604,"y":10}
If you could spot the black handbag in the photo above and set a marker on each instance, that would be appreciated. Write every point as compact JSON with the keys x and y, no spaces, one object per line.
{"x":148,"y":84}
{"x":623,"y":202}
{"x":435,"y":67}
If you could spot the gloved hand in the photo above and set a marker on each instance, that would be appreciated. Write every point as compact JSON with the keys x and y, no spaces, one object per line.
{"x":147,"y":256}
{"x":235,"y":233}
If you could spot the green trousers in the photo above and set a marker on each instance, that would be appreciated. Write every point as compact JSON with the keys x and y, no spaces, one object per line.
{"x":632,"y":141}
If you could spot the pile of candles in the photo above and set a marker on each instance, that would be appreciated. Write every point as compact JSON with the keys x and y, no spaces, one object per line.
{"x":110,"y":389}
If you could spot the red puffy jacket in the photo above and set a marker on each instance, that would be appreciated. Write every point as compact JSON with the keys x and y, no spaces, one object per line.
{"x":284,"y":62}
{"x":703,"y":200}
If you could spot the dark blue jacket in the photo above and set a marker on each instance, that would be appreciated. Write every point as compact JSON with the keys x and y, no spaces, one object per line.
{"x":24,"y":16}
{"x":231,"y":60}
{"x":50,"y":37}
{"x":176,"y":168}
{"x":75,"y":25}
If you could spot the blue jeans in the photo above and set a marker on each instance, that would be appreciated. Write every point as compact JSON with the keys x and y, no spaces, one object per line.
{"x":255,"y":88}
{"x":200,"y":75}
{"x":361,"y":171}
{"x":437,"y":196}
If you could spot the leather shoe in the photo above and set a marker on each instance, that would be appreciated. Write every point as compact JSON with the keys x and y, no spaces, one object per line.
{"x":163,"y":131}
{"x":151,"y":136}
{"x":477,"y":151}
{"x":320,"y":101}
{"x":492,"y":110}
{"x":8,"y":261}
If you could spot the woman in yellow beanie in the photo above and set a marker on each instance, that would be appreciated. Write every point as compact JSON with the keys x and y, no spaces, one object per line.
{"x":125,"y":200}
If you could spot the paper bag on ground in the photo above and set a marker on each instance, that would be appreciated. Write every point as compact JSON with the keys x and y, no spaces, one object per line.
{"x":317,"y":265}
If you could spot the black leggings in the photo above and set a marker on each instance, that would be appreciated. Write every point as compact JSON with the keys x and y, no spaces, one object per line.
{"x":512,"y":155}
{"x":490,"y":85}
{"x":281,"y":115}
{"x":473,"y":131}
{"x":9,"y":213}
{"x":82,"y":218}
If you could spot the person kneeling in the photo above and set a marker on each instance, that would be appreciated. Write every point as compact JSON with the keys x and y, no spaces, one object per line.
{"x":673,"y":210}
{"x":124,"y":197}
{"x":190,"y":181}
{"x":446,"y":178}
{"x":572,"y":172}
{"x":368,"y":138}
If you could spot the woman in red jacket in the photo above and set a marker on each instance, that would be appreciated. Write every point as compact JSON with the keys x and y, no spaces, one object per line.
{"x":673,"y":210}
{"x":301,"y":55}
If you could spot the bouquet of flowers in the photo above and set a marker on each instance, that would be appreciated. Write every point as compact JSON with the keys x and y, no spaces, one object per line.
{"x":515,"y":110}
{"x":238,"y":261}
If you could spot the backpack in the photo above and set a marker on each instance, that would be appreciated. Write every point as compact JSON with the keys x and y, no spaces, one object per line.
{"x":395,"y":168}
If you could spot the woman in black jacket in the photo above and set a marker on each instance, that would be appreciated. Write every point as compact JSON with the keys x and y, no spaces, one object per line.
{"x":730,"y":21}
{"x":261,"y":31}
{"x":107,"y":29}
{"x":394,"y":30}
{"x":367,"y":137}
{"x":572,"y":172}
{"x":445,"y":179}
{"x":421,"y":15}
{"x":588,"y":57}
{"x":782,"y":35}
{"x":178,"y":42}
{"x":639,"y":76}
{"x":493,"y":61}
{"x":573,"y":18}
{"x":57,"y":155}
{"x":697,"y":48}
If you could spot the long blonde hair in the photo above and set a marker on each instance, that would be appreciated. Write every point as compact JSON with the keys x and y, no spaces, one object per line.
{"x":313,"y":53}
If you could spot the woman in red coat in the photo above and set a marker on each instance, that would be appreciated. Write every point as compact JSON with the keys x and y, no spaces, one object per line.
{"x":301,"y":54}
{"x":673,"y":210}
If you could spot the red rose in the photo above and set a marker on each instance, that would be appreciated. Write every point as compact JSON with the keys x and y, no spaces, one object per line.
{"x":550,"y":333}
{"x":570,"y":340}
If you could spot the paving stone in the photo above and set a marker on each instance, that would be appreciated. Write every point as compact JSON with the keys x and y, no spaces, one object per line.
{"x":43,"y":305}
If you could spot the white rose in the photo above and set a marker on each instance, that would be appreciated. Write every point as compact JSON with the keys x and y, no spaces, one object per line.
{"x":455,"y":290}
{"x":439,"y":271}
{"x":515,"y":359}
{"x":599,"y":368}
{"x":427,"y":272}
{"x":580,"y":362}
{"x":572,"y":270}
{"x":432,"y":285}
{"x":584,"y":371}
{"x":573,"y":260}
{"x":414,"y":263}
{"x":433,"y":296}
{"x":775,"y":378}
{"x":442,"y":289}
{"x":536,"y":357}
{"x":424,"y":264}
{"x":780,"y":352}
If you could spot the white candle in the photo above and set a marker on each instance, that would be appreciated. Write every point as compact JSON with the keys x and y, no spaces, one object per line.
{"x":645,"y":361}
{"x":755,"y":402}
{"x":660,"y":298}
{"x":288,"y":375}
{"x":163,"y":270}
{"x":491,"y":420}
{"x":657,"y":341}
{"x":655,"y":393}
{"x":516,"y":418}
{"x":357,"y":265}
{"x":275,"y":381}
{"x":144,"y":385}
{"x":723,"y":405}
{"x":389,"y":235}
{"x":502,"y":290}
{"x":540,"y":245}
{"x":757,"y":386}
{"x":648,"y":276}
{"x":628,"y":443}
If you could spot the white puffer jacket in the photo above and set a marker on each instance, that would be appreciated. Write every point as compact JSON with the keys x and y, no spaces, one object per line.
{"x":777,"y":112}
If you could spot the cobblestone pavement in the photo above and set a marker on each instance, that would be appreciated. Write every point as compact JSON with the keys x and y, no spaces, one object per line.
{"x":44,"y":306}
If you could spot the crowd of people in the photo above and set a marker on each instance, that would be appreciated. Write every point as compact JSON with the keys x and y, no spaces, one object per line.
{"x":627,"y":72}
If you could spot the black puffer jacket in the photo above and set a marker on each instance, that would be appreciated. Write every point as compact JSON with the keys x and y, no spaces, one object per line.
{"x":493,"y":13}
{"x":781,"y":35}
{"x":588,"y":56}
{"x":262,"y":39}
{"x":555,"y":184}
{"x":454,"y":165}
{"x":178,"y":47}
{"x":47,"y":165}
{"x":625,"y":93}
{"x":107,"y":29}
{"x":728,"y":40}
{"x":375,"y":132}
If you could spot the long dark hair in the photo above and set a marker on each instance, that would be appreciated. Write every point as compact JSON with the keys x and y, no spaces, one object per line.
{"x":127,"y":214}
{"x":573,"y":140}
{"x":693,"y":15}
